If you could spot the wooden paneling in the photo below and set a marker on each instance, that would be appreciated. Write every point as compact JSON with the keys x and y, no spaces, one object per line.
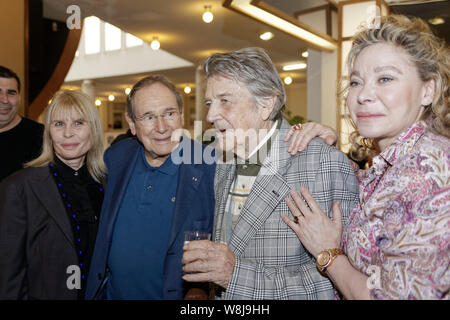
{"x":13,"y":45}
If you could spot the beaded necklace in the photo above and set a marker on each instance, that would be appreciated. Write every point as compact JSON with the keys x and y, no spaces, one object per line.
{"x":72,"y":213}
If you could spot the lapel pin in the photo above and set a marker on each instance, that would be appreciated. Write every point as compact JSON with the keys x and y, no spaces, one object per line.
{"x":195,"y":179}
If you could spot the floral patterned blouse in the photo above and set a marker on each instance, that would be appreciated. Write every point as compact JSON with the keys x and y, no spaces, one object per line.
{"x":399,"y":234}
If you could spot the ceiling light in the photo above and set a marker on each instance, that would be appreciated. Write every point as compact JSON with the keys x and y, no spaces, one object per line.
{"x":295,"y":66}
{"x":305,"y":54}
{"x":288,"y":80}
{"x":248,"y":8}
{"x":127,"y":91}
{"x":436,"y":20}
{"x":266,"y":36}
{"x":98,"y":102}
{"x":155,"y":44}
{"x":187,"y":89}
{"x":111,"y":97}
{"x":207,"y":15}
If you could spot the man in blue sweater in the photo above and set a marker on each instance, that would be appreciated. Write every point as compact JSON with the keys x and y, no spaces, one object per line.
{"x":151,"y":198}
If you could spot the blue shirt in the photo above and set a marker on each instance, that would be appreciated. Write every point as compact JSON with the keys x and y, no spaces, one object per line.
{"x":141,"y":232}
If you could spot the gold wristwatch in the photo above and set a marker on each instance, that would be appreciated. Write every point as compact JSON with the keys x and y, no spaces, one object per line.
{"x":326,"y":258}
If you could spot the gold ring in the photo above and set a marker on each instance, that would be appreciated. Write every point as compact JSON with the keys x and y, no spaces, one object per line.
{"x":298,"y":126}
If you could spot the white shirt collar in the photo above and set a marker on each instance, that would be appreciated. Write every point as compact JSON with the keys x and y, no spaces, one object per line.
{"x":263,"y":141}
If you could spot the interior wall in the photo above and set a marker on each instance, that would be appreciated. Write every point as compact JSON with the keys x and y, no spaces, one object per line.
{"x":12,"y":33}
{"x":296,"y":101}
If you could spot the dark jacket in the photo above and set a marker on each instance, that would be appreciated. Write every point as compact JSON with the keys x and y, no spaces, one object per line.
{"x":36,"y":239}
{"x":194,"y":210}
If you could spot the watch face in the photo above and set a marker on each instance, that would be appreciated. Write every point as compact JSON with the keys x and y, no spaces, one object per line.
{"x":323,"y":258}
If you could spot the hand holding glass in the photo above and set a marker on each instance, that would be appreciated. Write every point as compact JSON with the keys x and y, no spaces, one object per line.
{"x":196,"y":235}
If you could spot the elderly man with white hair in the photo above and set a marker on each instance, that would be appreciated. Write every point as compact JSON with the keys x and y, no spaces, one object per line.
{"x":254,"y":254}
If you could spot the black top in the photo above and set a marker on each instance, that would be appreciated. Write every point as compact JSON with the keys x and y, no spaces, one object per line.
{"x":82,"y":197}
{"x":123,"y":136}
{"x":19,"y":145}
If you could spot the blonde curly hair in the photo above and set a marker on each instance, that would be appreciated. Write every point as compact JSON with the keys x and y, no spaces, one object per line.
{"x":430,"y":55}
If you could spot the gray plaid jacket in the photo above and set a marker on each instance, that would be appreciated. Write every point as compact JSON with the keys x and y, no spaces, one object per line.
{"x":271,"y":262}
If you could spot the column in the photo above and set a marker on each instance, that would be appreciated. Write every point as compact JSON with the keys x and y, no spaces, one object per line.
{"x":313,"y":87}
{"x":322,"y":65}
{"x":88,"y":87}
{"x":200,"y":109}
{"x":321,"y":87}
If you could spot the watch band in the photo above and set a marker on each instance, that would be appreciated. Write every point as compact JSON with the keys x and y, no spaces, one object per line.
{"x":333,"y":253}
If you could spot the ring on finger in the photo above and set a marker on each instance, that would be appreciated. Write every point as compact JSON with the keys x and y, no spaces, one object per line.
{"x":298,"y":126}
{"x":296,"y":218}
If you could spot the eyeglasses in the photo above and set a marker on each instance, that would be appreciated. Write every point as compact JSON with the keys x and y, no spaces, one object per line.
{"x":150,"y":119}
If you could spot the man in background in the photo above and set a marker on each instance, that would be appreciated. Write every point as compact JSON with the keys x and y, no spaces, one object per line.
{"x":20,"y":138}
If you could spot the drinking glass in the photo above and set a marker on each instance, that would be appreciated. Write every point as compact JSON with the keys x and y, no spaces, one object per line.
{"x":196,"y":235}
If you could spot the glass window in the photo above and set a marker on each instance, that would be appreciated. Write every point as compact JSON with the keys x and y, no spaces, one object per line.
{"x":91,"y":35}
{"x":112,"y":37}
{"x":133,"y":41}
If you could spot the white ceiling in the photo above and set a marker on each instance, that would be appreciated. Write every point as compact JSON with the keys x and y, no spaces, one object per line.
{"x":182,"y":32}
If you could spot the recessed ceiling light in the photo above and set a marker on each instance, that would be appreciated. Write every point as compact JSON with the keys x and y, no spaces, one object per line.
{"x":187,"y":89}
{"x":305,"y":54}
{"x":288,"y":80}
{"x":266,"y":36}
{"x":111,"y":97}
{"x":127,"y":91}
{"x":436,"y":20}
{"x":295,"y":66}
{"x":155,"y":44}
{"x":208,"y":16}
{"x":98,"y":102}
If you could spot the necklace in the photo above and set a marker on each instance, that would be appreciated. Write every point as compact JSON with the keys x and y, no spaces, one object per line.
{"x":71,"y":210}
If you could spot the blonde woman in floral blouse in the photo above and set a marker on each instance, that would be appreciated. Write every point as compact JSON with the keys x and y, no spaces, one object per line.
{"x":396,"y":244}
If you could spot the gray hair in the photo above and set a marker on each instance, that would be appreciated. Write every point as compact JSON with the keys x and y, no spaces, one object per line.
{"x":146,"y":82}
{"x":254,"y":68}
